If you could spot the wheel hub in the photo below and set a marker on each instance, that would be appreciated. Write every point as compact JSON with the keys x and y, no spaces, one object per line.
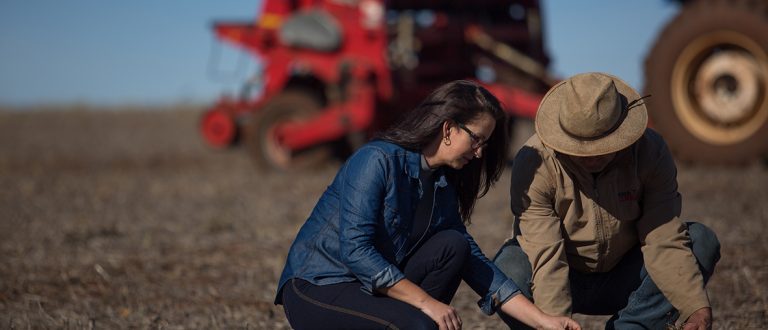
{"x":727,"y":87}
{"x":218,"y":128}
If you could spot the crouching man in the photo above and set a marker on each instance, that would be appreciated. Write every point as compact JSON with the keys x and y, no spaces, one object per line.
{"x":596,"y":215}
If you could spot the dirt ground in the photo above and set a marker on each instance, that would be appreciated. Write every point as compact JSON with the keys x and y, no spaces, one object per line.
{"x":124,"y":219}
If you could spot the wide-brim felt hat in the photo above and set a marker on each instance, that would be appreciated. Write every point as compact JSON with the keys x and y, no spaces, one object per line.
{"x":591,"y":114}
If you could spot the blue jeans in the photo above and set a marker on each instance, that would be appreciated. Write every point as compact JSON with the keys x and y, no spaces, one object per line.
{"x":634,"y":301}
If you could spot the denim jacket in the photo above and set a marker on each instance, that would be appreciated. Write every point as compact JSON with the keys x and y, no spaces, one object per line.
{"x":359,"y":228}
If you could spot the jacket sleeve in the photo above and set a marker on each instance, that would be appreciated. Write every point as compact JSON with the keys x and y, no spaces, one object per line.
{"x":538,"y":230}
{"x":361,"y":201}
{"x":663,"y":236}
{"x":482,"y":275}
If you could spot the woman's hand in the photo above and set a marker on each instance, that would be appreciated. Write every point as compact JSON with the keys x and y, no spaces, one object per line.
{"x":522,"y":309}
{"x":444,"y":315}
{"x":558,"y":323}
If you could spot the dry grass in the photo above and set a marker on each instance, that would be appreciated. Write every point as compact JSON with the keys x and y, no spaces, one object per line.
{"x":123,"y":219}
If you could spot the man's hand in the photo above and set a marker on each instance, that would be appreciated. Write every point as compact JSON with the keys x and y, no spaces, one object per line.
{"x":699,"y":320}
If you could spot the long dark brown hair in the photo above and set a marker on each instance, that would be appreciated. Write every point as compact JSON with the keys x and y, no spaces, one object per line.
{"x":460,"y":101}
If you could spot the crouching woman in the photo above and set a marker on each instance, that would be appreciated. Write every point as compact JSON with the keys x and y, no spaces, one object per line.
{"x":386,"y":246}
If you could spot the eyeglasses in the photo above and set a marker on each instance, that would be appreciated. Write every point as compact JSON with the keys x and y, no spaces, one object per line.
{"x":477,"y":141}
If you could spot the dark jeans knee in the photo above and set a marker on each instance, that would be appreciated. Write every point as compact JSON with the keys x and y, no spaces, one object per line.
{"x":437,"y":263}
{"x":705,"y":247}
{"x":454,"y":241}
{"x":514,"y":263}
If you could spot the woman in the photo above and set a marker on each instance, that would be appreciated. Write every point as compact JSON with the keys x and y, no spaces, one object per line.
{"x":386,"y":245}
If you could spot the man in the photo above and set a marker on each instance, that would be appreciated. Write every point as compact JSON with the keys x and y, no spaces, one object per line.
{"x":596,"y":215}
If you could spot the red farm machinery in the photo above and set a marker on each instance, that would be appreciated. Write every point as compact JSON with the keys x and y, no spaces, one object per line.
{"x":336,"y":71}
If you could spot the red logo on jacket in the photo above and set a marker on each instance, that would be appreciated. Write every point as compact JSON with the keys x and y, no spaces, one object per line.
{"x":626,"y":196}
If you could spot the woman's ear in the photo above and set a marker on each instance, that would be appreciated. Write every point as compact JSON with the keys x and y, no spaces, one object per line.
{"x":447,"y":130}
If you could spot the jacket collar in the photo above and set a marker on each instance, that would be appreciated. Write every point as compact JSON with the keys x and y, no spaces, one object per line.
{"x":413,"y":168}
{"x":412,"y":163}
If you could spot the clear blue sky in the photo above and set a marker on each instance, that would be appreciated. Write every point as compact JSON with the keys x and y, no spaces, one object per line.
{"x":159,"y":52}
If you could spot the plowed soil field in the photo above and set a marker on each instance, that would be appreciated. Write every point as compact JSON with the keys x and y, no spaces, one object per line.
{"x":125,"y":219}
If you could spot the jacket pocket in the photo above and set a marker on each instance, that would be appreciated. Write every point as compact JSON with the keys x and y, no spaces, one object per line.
{"x":393,"y":221}
{"x":628,"y":202}
{"x":397,"y":230}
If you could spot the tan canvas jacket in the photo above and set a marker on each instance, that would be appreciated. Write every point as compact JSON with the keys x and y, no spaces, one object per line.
{"x":566,"y":219}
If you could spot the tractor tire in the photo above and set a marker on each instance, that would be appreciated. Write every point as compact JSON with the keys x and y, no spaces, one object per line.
{"x":266,"y":151}
{"x":708,"y":74}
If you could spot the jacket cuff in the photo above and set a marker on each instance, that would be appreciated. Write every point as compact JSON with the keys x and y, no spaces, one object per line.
{"x":491,"y":302}
{"x":688,"y":309}
{"x":385,"y":278}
